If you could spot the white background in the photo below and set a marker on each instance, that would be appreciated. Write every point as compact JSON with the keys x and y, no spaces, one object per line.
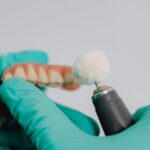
{"x":66,"y":28}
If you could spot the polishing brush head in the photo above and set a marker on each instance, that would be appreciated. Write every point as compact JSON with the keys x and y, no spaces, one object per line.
{"x":91,"y":67}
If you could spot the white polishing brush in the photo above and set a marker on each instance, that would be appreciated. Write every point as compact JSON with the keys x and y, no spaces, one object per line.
{"x":91,"y":68}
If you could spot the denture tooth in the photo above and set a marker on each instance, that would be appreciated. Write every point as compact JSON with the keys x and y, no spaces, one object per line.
{"x":55,"y":79}
{"x":31,"y":74}
{"x":68,"y":78}
{"x":7,"y":76}
{"x":20,"y":73}
{"x":42,"y":76}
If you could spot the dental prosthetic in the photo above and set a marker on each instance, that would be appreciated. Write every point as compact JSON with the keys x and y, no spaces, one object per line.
{"x":92,"y":68}
{"x":43,"y":75}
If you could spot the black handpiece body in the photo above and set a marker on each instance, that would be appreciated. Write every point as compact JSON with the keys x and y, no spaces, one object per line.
{"x":111,"y":111}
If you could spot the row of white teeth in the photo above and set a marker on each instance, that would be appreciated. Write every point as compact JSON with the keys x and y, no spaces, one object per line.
{"x":52,"y":79}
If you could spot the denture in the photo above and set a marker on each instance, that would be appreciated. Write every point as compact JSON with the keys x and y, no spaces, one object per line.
{"x":43,"y":75}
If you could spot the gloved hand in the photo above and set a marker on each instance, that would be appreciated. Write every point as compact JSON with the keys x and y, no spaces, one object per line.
{"x":15,"y":138}
{"x":49,"y":128}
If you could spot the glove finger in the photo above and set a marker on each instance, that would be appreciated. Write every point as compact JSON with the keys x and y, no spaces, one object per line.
{"x":10,"y":59}
{"x":142,"y":113}
{"x":39,"y":116}
{"x":83,"y":122}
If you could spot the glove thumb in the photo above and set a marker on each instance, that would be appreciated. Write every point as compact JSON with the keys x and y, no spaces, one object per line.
{"x":39,"y":116}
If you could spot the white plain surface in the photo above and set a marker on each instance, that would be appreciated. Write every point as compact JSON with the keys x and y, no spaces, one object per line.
{"x":66,"y":28}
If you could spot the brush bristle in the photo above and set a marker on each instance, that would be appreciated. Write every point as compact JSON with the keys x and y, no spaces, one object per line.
{"x":91,"y":67}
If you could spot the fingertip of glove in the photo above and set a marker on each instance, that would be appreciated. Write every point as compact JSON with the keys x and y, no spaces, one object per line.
{"x":142,"y":113}
{"x":41,"y":53}
{"x":26,"y":55}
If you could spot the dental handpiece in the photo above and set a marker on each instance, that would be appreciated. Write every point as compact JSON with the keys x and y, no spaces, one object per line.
{"x":111,"y":110}
{"x":92,"y":68}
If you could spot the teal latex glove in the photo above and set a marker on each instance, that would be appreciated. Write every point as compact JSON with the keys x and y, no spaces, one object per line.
{"x":15,"y":137}
{"x":50,"y":129}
